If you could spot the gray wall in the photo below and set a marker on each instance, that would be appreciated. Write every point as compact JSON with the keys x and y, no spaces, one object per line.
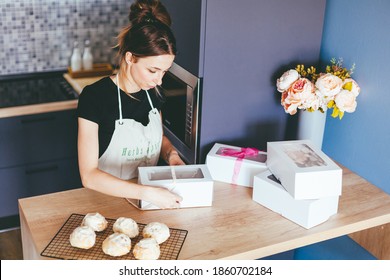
{"x":360,"y":141}
{"x":37,"y":36}
{"x":248,"y":44}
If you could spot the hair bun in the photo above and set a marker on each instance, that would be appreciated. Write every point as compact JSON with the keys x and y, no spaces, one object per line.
{"x":149,"y":11}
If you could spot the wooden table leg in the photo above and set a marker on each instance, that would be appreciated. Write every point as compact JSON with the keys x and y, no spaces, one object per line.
{"x":375,"y":240}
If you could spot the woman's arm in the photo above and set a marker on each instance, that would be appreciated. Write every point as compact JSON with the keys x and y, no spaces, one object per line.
{"x":94,"y":178}
{"x":169,"y":153}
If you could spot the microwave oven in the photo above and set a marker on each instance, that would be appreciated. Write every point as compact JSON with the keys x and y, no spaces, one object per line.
{"x":180,"y":111}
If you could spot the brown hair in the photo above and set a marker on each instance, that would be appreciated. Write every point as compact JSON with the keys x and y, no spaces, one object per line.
{"x":149,"y":32}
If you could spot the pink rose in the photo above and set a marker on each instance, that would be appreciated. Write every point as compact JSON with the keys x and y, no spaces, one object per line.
{"x":285,"y":81}
{"x":328,"y":85}
{"x":300,"y":95}
{"x":288,"y":107}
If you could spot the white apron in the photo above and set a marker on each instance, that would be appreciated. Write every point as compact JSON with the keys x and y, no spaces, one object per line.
{"x":132,"y":144}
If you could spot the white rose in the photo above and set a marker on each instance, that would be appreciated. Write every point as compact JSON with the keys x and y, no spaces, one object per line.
{"x":314,"y":103}
{"x":329,"y":85}
{"x":355,"y":87}
{"x":346,"y":101}
{"x":285,"y":81}
{"x":323,"y":100}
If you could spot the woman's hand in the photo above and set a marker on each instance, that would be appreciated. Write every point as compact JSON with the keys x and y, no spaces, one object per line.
{"x":169,"y":154}
{"x":162,"y":197}
{"x":173,"y":158}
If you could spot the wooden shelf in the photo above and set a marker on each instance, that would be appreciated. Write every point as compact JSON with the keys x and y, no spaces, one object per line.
{"x":99,"y":69}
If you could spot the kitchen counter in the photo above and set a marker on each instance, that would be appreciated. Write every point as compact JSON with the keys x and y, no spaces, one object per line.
{"x":37,"y":108}
{"x":235,"y":227}
{"x":78,"y":84}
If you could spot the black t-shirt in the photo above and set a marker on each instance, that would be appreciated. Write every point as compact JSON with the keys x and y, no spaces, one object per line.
{"x":99,"y":103}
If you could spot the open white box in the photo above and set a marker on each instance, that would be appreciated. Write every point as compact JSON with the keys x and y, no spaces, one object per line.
{"x":223,"y":167}
{"x":307,"y":213}
{"x":192,"y":182}
{"x":304,"y":170}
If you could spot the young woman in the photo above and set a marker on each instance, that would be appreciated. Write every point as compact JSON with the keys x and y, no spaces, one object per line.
{"x":119,"y":121}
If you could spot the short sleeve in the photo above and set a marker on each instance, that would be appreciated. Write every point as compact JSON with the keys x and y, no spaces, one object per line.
{"x":88,"y":106}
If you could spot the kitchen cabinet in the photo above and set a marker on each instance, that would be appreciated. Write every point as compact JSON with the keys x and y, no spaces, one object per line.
{"x":35,"y":179}
{"x":38,"y":156}
{"x":188,"y":19}
{"x":239,"y":49}
{"x":37,"y":138}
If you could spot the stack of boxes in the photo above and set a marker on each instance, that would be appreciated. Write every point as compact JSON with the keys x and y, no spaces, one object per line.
{"x":295,"y":179}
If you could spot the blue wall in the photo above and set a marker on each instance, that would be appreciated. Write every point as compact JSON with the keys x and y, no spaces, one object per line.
{"x":358,"y":31}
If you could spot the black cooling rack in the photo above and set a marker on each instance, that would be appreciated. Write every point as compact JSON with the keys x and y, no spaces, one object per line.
{"x":60,"y":248}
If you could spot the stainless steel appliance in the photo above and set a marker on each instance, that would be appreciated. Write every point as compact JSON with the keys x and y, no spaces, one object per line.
{"x":180,"y":111}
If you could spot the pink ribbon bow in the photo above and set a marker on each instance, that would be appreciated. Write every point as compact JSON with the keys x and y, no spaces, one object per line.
{"x":240,"y":155}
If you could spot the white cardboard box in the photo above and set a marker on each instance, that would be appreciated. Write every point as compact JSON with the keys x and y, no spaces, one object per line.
{"x":304,"y":170}
{"x":307,"y":213}
{"x":228,"y":169}
{"x":192,"y":182}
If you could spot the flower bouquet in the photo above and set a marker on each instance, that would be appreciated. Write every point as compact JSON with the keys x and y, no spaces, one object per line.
{"x":304,"y":88}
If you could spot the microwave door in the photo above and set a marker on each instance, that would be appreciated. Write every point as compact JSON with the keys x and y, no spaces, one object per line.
{"x":179,"y":111}
{"x":174,"y":108}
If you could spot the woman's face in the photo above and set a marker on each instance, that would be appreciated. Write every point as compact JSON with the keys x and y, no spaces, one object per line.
{"x":147,"y":72}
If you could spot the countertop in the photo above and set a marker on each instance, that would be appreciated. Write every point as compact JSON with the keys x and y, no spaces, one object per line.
{"x":78,"y":84}
{"x":235,"y":227}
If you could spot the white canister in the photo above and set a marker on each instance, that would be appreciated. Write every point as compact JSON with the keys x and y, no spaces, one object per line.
{"x":87,"y":56}
{"x":75,"y":60}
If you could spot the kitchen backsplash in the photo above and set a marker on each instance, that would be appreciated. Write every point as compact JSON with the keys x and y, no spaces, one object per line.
{"x":38,"y":35}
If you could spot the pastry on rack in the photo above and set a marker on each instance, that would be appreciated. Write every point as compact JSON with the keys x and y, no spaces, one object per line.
{"x":117,"y":244}
{"x":83,"y":237}
{"x":147,"y":249}
{"x":158,"y":231}
{"x":95,"y":221}
{"x":127,"y":226}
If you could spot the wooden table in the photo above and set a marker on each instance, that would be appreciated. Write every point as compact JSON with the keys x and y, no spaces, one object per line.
{"x":235,"y":227}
